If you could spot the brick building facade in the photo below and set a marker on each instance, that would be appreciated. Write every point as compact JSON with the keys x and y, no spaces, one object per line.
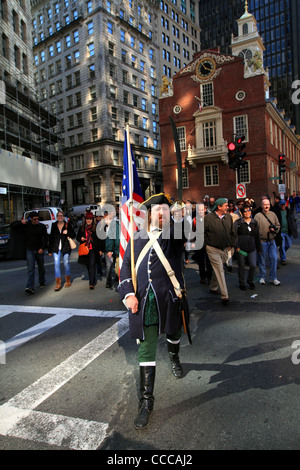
{"x":210,"y":101}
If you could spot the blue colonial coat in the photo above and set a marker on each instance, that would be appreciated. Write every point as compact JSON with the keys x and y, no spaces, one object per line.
{"x":151,"y":273}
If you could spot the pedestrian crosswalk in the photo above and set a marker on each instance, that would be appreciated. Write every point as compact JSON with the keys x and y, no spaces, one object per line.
{"x":18,"y":416}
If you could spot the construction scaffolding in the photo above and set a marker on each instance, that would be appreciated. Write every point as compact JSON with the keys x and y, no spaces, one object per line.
{"x":30,"y":131}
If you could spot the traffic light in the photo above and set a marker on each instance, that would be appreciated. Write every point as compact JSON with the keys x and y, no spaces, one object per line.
{"x":281,"y":161}
{"x":240,"y":153}
{"x":232,"y":155}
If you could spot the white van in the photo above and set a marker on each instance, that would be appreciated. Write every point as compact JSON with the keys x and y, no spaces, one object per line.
{"x":47,"y":216}
{"x":79,"y":211}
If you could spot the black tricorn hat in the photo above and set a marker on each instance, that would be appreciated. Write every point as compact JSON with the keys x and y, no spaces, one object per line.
{"x":160,"y":198}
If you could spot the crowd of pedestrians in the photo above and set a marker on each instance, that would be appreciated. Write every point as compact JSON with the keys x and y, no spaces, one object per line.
{"x":98,"y":247}
{"x":256,"y":236}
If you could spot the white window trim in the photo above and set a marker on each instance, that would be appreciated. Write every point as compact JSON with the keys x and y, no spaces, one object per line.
{"x":249,"y":173}
{"x":181,"y":140}
{"x":202,"y":97}
{"x":247,"y":126}
{"x":204,"y":175}
{"x":184,"y":170}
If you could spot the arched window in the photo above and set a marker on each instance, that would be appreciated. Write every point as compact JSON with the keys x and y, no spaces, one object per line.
{"x":245,"y":29}
{"x":246,"y":54}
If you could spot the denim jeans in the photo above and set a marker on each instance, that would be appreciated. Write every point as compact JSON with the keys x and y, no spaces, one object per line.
{"x":66,"y":260}
{"x":109,"y":261}
{"x":268,"y":250}
{"x":33,"y":256}
{"x":99,"y":266}
{"x":286,"y":244}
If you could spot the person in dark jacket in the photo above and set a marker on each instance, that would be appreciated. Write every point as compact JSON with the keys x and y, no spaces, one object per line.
{"x":200,"y":255}
{"x":219,"y":240}
{"x":59,"y":245}
{"x":99,"y":218}
{"x":112,"y":244}
{"x":154,"y":307}
{"x":87,"y":235}
{"x":247,"y":245}
{"x":36,"y":239}
{"x":288,"y":229}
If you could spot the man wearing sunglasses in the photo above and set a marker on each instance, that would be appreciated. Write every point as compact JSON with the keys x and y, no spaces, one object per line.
{"x":36,"y":239}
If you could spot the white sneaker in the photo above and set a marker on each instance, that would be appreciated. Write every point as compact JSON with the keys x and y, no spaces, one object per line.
{"x":276,"y":282}
{"x":262,"y":281}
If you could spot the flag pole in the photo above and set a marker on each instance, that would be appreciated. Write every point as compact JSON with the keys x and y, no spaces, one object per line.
{"x":129,"y":157}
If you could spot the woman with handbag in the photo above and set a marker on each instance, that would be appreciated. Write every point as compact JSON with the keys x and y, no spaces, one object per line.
{"x":89,"y":247}
{"x":59,"y":244}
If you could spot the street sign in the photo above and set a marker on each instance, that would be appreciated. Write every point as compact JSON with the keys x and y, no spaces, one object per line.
{"x":274,"y":178}
{"x":281,"y":188}
{"x":240,"y":191}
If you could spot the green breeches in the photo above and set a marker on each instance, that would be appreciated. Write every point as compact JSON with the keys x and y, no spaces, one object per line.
{"x":148,"y":347}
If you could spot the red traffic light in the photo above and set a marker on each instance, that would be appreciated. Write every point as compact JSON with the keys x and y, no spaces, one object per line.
{"x":240,"y":139}
{"x":231,"y":146}
{"x":281,"y":161}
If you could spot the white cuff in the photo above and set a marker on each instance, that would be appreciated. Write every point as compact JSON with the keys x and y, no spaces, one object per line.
{"x":127,"y":295}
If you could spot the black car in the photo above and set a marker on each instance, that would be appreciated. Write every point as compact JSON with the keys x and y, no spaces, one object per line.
{"x":4,"y":239}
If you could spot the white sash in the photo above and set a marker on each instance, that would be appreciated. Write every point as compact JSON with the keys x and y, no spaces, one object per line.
{"x":153,"y":242}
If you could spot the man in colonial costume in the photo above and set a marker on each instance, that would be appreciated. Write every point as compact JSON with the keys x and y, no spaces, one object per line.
{"x":155,"y":307}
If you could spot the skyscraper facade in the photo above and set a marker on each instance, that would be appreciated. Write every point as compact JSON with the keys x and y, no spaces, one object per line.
{"x":99,"y":64}
{"x":277,"y":22}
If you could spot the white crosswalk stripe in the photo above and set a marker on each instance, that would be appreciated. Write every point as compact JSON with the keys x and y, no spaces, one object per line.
{"x":18,"y":417}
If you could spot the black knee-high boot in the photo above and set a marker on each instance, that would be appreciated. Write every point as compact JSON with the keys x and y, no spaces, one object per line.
{"x":173,"y":350}
{"x":147,"y":378}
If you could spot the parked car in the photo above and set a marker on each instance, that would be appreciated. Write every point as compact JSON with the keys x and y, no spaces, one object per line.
{"x":47,"y":216}
{"x":4,"y":239}
{"x":79,"y":211}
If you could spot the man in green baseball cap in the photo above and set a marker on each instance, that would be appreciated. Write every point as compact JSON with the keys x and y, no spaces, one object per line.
{"x":219,"y":238}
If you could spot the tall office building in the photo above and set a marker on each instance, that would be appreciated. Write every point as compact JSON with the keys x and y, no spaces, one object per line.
{"x":217,"y":19}
{"x":99,"y":65}
{"x":94,"y":65}
{"x":178,"y":35}
{"x":29,"y":153}
{"x":277,"y":23}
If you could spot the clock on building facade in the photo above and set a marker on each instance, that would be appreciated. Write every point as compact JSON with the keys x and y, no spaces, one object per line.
{"x":205,"y":68}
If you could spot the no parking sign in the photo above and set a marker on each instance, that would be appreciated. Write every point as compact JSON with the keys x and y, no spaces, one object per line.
{"x":240,"y":191}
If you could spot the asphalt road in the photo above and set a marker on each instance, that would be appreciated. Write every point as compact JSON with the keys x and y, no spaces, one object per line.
{"x":70,"y":379}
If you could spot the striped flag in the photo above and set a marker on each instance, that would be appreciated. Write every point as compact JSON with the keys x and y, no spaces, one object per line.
{"x":200,"y":107}
{"x":130,"y":184}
